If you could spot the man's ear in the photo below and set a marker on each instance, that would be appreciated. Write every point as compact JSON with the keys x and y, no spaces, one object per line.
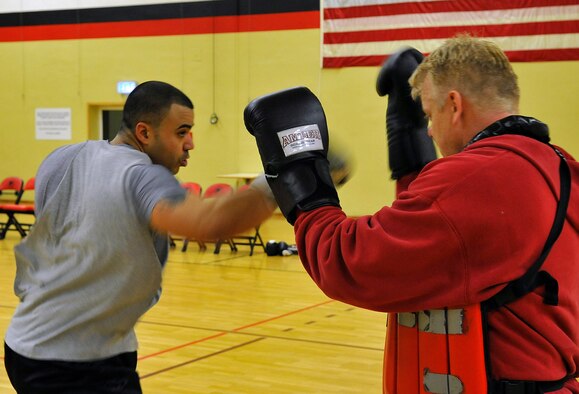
{"x":143,"y":133}
{"x":456,"y":104}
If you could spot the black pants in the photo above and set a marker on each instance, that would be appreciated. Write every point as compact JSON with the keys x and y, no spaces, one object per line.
{"x":112,"y":375}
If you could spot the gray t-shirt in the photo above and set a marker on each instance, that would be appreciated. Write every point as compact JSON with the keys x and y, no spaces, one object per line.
{"x":91,"y":266}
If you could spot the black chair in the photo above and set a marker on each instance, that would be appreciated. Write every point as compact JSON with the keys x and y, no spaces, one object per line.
{"x":196,"y":189}
{"x":14,"y":187}
{"x":214,"y":191}
{"x":251,"y":238}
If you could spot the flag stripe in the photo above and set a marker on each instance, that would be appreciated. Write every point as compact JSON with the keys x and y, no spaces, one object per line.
{"x":424,"y":7}
{"x":514,"y":43}
{"x":519,"y":29}
{"x":489,"y":17}
{"x":356,"y":33}
{"x":517,"y":56}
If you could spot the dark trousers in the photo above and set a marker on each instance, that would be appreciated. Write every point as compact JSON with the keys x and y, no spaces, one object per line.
{"x":112,"y":375}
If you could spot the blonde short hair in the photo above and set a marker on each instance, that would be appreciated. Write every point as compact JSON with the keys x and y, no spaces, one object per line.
{"x":476,"y":68}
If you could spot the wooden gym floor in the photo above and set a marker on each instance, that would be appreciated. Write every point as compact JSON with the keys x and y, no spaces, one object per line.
{"x":234,"y":323}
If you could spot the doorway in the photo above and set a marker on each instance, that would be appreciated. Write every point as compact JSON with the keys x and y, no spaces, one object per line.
{"x":104,"y":121}
{"x":111,"y":123}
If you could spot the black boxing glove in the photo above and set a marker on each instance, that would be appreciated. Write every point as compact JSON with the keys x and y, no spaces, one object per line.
{"x":409,"y":146}
{"x":292,"y":137}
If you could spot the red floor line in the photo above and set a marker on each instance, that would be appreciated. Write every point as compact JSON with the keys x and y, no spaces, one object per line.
{"x":201,"y":358}
{"x":222,"y":333}
{"x":284,"y":315}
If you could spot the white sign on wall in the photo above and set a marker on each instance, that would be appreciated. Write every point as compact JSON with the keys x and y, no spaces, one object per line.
{"x":53,"y":124}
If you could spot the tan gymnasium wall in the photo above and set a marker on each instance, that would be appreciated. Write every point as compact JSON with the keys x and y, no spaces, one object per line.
{"x":222,"y":73}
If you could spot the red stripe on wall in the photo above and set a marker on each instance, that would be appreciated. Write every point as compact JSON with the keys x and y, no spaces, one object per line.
{"x":437,"y":6}
{"x":542,"y":55}
{"x":165,"y":27}
{"x":285,"y":21}
{"x":8,"y":34}
{"x":425,"y":33}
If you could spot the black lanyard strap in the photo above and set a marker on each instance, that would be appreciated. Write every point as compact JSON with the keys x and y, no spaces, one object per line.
{"x":534,"y":278}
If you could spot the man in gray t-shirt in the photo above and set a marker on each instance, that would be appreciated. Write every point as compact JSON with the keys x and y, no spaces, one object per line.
{"x":92,"y":264}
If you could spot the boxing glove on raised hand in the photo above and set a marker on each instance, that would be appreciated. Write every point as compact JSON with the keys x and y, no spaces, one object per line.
{"x":292,"y":137}
{"x":409,"y":146}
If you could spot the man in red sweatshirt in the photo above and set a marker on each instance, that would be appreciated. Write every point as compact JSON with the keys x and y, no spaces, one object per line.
{"x":477,"y":260}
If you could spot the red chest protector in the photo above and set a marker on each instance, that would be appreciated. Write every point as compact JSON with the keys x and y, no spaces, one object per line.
{"x":446,"y":350}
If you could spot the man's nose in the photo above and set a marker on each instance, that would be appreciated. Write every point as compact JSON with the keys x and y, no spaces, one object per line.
{"x":189,"y":144}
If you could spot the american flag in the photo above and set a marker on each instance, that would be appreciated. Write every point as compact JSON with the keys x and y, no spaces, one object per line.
{"x":365,"y":32}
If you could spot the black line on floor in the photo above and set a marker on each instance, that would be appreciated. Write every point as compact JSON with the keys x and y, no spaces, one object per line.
{"x":218,"y":261}
{"x":169,"y":260}
{"x":202,"y":357}
{"x":314,"y":342}
{"x":266,"y":336}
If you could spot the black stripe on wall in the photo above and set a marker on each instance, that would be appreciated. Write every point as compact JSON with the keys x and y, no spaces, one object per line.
{"x":158,"y":11}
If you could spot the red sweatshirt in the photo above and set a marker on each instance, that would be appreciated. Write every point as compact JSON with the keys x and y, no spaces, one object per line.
{"x":465,"y":227}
